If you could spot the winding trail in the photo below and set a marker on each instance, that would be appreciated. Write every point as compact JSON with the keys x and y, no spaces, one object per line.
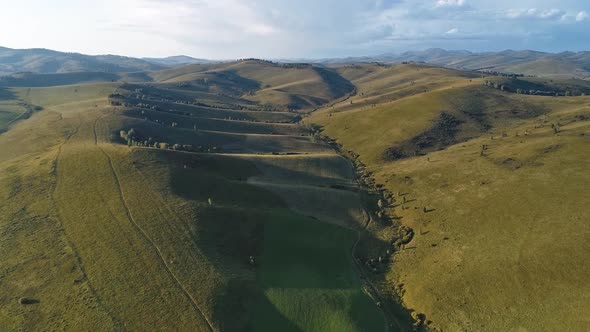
{"x":118,"y":324}
{"x":147,"y":238}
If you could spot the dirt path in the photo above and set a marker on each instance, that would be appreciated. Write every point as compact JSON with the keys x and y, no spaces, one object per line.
{"x":117,"y":323}
{"x":146,"y":236}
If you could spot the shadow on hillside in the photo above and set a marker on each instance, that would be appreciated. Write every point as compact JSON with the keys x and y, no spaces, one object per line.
{"x":290,"y":251}
{"x":273,"y":171}
{"x":475,"y":112}
{"x":338,"y":85}
{"x":7,"y":94}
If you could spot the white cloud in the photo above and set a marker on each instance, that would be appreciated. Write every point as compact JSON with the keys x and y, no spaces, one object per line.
{"x":450,"y":3}
{"x":546,"y":14}
{"x":282,"y":28}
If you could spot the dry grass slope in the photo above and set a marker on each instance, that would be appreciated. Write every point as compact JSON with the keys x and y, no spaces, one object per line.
{"x":499,"y":211}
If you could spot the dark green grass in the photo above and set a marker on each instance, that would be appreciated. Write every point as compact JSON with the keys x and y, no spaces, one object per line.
{"x":303,"y":278}
{"x":306,"y":273}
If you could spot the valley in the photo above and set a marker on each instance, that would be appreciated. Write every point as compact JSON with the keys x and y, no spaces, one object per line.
{"x":257,"y":196}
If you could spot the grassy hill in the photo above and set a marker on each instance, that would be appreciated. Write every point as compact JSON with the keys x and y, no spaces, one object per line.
{"x":195,"y":198}
{"x":288,"y":86}
{"x":221,"y":236}
{"x":492,"y":184}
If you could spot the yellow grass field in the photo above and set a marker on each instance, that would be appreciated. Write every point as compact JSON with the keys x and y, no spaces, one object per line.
{"x":501,"y":235}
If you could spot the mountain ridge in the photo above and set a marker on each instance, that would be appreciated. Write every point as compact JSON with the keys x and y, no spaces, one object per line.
{"x":526,"y":62}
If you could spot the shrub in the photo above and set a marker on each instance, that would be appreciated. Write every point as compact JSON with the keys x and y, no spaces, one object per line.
{"x":26,"y":300}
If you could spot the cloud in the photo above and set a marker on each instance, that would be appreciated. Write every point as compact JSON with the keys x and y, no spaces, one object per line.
{"x":281,"y":28}
{"x":582,"y":16}
{"x":450,"y":3}
{"x":535,"y":13}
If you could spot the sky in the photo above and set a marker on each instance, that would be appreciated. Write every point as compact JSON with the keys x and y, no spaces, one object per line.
{"x":274,"y":29}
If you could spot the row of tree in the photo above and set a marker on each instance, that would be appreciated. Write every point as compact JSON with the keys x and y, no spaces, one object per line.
{"x":132,"y":138}
{"x":534,"y":92}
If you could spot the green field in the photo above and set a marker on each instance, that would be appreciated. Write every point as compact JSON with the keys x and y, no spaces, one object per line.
{"x":306,"y":275}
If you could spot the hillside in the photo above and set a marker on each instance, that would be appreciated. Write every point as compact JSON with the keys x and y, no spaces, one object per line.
{"x":256,"y":196}
{"x":141,"y":206}
{"x":300,"y":87}
{"x":492,"y":182}
{"x":44,"y":61}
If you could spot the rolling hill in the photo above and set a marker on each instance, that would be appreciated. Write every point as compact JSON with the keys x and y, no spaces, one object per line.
{"x":258,"y":196}
{"x":527,"y":62}
{"x":301,"y":87}
{"x":491,"y":182}
{"x":157,"y":205}
{"x":43,"y":61}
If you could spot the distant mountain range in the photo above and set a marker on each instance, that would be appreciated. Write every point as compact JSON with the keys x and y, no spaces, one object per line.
{"x":45,"y":61}
{"x":565,"y":64}
{"x":177,"y":60}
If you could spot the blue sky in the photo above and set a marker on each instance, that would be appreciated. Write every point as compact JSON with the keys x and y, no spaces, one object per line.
{"x":226,"y":29}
